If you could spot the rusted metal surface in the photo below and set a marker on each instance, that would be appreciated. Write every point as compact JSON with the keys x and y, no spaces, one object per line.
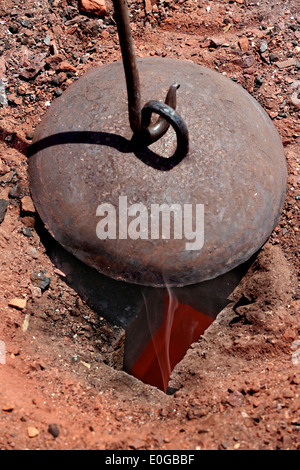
{"x":83,"y":156}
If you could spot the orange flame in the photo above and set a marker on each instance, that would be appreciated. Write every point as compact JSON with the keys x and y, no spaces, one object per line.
{"x":182,"y":326}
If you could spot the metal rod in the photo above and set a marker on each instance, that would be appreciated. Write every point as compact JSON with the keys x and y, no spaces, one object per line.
{"x":145,"y":131}
{"x":129,"y":62}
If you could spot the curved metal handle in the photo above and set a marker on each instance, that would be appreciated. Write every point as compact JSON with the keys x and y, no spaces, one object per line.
{"x":170,"y":117}
{"x":138,"y":116}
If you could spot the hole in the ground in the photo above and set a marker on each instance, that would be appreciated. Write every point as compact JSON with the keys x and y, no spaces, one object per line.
{"x":182,"y":325}
{"x":160,"y":324}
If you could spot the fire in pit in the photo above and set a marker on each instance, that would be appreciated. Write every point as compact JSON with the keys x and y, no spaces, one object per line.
{"x":228,"y":162}
{"x":182,"y":326}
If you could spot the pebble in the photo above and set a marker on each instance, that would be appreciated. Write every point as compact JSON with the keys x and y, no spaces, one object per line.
{"x":29,"y":136}
{"x":258,"y":81}
{"x":3,"y":208}
{"x":40,"y":280}
{"x":295,"y":99}
{"x":36,"y":292}
{"x":16,"y":191}
{"x":97,"y":7}
{"x":8,"y":407}
{"x":27,"y":232}
{"x":273,"y":57}
{"x":3,"y":168}
{"x":3,"y":97}
{"x":32,"y":431}
{"x":217,"y":42}
{"x":58,"y":92}
{"x":244,"y":44}
{"x":47,"y":40}
{"x":31,"y":251}
{"x":13,"y":28}
{"x":53,"y":430}
{"x":15,"y":99}
{"x":27,"y":204}
{"x":19,"y":304}
{"x":286,"y":63}
{"x":263,"y":46}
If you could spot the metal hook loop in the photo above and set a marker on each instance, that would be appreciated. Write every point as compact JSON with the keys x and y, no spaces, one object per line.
{"x":170,"y":117}
{"x":137,"y":116}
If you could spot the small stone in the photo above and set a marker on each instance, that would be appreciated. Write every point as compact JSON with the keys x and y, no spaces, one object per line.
{"x":36,"y":65}
{"x":40,"y":280}
{"x":36,"y":292}
{"x":16,"y":191}
{"x":273,"y":57}
{"x":58,"y":79}
{"x":4,"y":168}
{"x":13,"y":28}
{"x":54,"y":61}
{"x":244,"y":44}
{"x":235,"y":398}
{"x":295,"y":99}
{"x":58,"y":92}
{"x":19,"y":304}
{"x":32,"y":431}
{"x":286,"y":63}
{"x":148,"y":6}
{"x":105,"y":34}
{"x":27,"y":232}
{"x":3,"y":97}
{"x":15,"y":99}
{"x":137,"y":444}
{"x":8,"y":407}
{"x":29,"y":136}
{"x":66,"y":67}
{"x":2,"y":67}
{"x":3,"y":208}
{"x":263,"y":46}
{"x":247,"y":61}
{"x":244,"y":62}
{"x":258,"y":81}
{"x":22,"y":89}
{"x":47,"y":40}
{"x":27,"y":204}
{"x":217,"y":42}
{"x":53,"y":430}
{"x":31,"y":251}
{"x":97,"y":7}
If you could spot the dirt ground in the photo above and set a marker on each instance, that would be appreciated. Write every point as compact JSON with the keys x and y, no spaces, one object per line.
{"x":238,"y":387}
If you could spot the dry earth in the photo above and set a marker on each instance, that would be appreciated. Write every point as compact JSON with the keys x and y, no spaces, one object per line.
{"x":239,"y":386}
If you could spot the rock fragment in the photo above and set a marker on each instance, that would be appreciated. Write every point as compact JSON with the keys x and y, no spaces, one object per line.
{"x":32,"y":431}
{"x":244,"y":44}
{"x":3,"y":97}
{"x":19,"y":304}
{"x":53,"y":429}
{"x":97,"y":7}
{"x":3,"y":207}
{"x":40,"y":280}
{"x":27,"y":204}
{"x":286,"y":63}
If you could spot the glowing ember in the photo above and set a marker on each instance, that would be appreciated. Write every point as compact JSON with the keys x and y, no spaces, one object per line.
{"x":182,"y":326}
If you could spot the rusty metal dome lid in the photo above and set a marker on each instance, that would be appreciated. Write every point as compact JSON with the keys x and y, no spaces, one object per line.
{"x":83,"y":156}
